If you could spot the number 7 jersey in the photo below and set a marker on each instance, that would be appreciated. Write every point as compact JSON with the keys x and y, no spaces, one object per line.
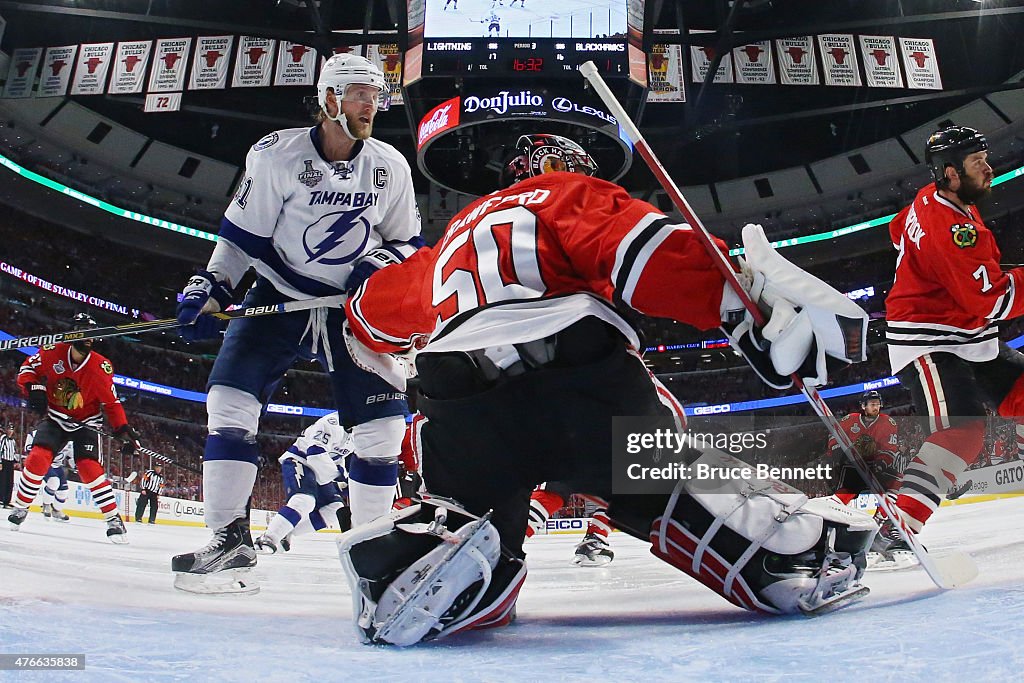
{"x":526,"y":262}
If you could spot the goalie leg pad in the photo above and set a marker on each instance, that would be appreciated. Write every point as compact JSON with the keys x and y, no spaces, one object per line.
{"x":415,"y":579}
{"x":763,"y":545}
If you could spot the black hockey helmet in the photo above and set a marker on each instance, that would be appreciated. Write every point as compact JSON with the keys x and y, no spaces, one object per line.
{"x":83,"y":321}
{"x":544,"y":153}
{"x":870,"y":396}
{"x":949,"y":146}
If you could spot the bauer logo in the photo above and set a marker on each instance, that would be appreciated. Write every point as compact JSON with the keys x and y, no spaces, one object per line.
{"x":712,"y":410}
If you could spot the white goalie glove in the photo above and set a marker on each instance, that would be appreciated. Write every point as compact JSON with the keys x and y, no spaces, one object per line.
{"x":807,"y":319}
{"x":396,"y":370}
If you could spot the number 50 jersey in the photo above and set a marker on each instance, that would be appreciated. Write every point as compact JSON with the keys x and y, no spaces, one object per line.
{"x":525,"y":262}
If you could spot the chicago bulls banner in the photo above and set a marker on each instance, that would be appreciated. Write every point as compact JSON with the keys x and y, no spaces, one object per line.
{"x":91,"y":69}
{"x":387,"y":57}
{"x":57,"y":64}
{"x":754,"y":63}
{"x":295,"y":64}
{"x":839,"y":59}
{"x":797,"y":65}
{"x":881,"y":68}
{"x":665,"y":71}
{"x":169,"y":60}
{"x":920,"y":63}
{"x":129,"y":67}
{"x":700,"y":62}
{"x":254,"y":62}
{"x":210,"y":63}
{"x":21,"y":75}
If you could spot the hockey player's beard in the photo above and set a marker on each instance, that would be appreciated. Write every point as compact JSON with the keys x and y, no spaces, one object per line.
{"x":359,"y":129}
{"x":971,"y":190}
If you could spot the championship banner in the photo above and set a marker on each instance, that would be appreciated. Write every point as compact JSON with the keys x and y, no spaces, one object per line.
{"x":881,"y":69}
{"x":254,"y":62}
{"x":21,"y":74}
{"x":295,"y":64}
{"x":210,"y":63}
{"x":91,"y":69}
{"x":665,"y":71}
{"x":920,"y":63}
{"x":754,"y":63}
{"x":387,"y":57}
{"x":797,"y":65}
{"x":839,"y":59}
{"x":57,"y":63}
{"x":169,"y":60}
{"x":700,"y":62}
{"x":130,"y":67}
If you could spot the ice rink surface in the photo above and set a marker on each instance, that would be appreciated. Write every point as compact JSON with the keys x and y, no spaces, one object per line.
{"x":65,"y":589}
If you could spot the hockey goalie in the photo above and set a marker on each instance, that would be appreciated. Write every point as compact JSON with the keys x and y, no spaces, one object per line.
{"x":523,"y":361}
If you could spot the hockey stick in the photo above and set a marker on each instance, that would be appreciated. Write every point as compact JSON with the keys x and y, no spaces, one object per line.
{"x":170,"y":323}
{"x":142,"y":449}
{"x":947,"y":571}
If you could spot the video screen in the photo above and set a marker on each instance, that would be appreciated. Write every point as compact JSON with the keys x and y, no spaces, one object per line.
{"x":525,"y":19}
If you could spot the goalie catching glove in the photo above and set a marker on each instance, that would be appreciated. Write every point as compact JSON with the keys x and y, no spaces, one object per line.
{"x":428,"y":571}
{"x":807,"y":319}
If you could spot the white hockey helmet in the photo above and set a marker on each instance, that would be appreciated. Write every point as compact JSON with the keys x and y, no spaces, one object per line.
{"x":343,"y":70}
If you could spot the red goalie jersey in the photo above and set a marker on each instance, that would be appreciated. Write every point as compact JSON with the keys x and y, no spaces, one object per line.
{"x":83,"y":393}
{"x":526,"y":262}
{"x":950,"y":292}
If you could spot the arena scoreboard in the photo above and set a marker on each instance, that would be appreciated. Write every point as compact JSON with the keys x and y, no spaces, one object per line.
{"x":513,"y":57}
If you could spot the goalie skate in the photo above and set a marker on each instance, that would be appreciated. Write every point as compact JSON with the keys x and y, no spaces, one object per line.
{"x":837,"y":587}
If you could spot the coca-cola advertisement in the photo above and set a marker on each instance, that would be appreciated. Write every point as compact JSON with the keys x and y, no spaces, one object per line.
{"x":439,"y":119}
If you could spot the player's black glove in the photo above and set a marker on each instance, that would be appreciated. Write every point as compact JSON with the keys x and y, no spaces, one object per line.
{"x":37,"y":401}
{"x":129,"y":440}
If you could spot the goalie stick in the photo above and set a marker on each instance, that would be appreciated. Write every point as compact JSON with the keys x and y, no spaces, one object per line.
{"x":169,"y":323}
{"x":947,"y":571}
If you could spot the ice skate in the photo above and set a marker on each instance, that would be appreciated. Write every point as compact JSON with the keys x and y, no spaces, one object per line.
{"x":116,"y":531}
{"x":59,"y":516}
{"x":224,"y":565}
{"x":265,"y":545}
{"x":16,"y":517}
{"x":593,"y":551}
{"x":47,"y":510}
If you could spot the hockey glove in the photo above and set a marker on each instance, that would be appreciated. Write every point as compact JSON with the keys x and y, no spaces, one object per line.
{"x":129,"y":440}
{"x":195,"y":302}
{"x":37,"y":401}
{"x":373,"y":261}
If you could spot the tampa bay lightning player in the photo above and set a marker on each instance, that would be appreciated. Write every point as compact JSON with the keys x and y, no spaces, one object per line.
{"x":317,"y":211}
{"x":314,"y":471}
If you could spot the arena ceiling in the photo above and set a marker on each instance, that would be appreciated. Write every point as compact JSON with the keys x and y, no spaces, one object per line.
{"x":723,"y":130}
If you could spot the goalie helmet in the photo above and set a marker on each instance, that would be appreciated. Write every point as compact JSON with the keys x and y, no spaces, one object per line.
{"x":341,"y":71}
{"x":949,"y":146}
{"x":545,"y":153}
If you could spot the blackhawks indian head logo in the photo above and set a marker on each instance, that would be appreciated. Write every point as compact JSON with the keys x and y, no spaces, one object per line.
{"x":67,"y":394}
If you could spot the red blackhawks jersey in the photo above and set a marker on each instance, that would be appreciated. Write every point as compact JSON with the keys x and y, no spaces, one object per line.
{"x":882,"y":431}
{"x":83,"y":393}
{"x":524,"y":263}
{"x":950,"y":292}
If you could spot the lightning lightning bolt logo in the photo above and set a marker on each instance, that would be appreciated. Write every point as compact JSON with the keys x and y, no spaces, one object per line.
{"x":340,"y":226}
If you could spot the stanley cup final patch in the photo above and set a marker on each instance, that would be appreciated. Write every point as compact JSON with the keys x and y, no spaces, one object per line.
{"x":964,"y":235}
{"x":310,"y":177}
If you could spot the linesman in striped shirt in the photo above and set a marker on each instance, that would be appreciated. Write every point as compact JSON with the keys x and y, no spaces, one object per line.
{"x":8,"y":460}
{"x":150,"y":487}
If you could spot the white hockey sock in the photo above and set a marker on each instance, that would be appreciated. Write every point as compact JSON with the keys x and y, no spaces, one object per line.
{"x":369,"y":502}
{"x":227,"y":485}
{"x":279,"y":527}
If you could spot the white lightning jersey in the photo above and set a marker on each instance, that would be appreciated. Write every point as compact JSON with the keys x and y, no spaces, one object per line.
{"x":61,"y":458}
{"x":323,"y":447}
{"x":305,"y":222}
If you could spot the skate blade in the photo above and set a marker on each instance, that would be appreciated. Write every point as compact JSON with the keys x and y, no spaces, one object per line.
{"x":118,"y":539}
{"x":14,"y":527}
{"x":834,"y":603}
{"x":226,"y":582}
{"x":583,"y":561}
{"x":899,"y":561}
